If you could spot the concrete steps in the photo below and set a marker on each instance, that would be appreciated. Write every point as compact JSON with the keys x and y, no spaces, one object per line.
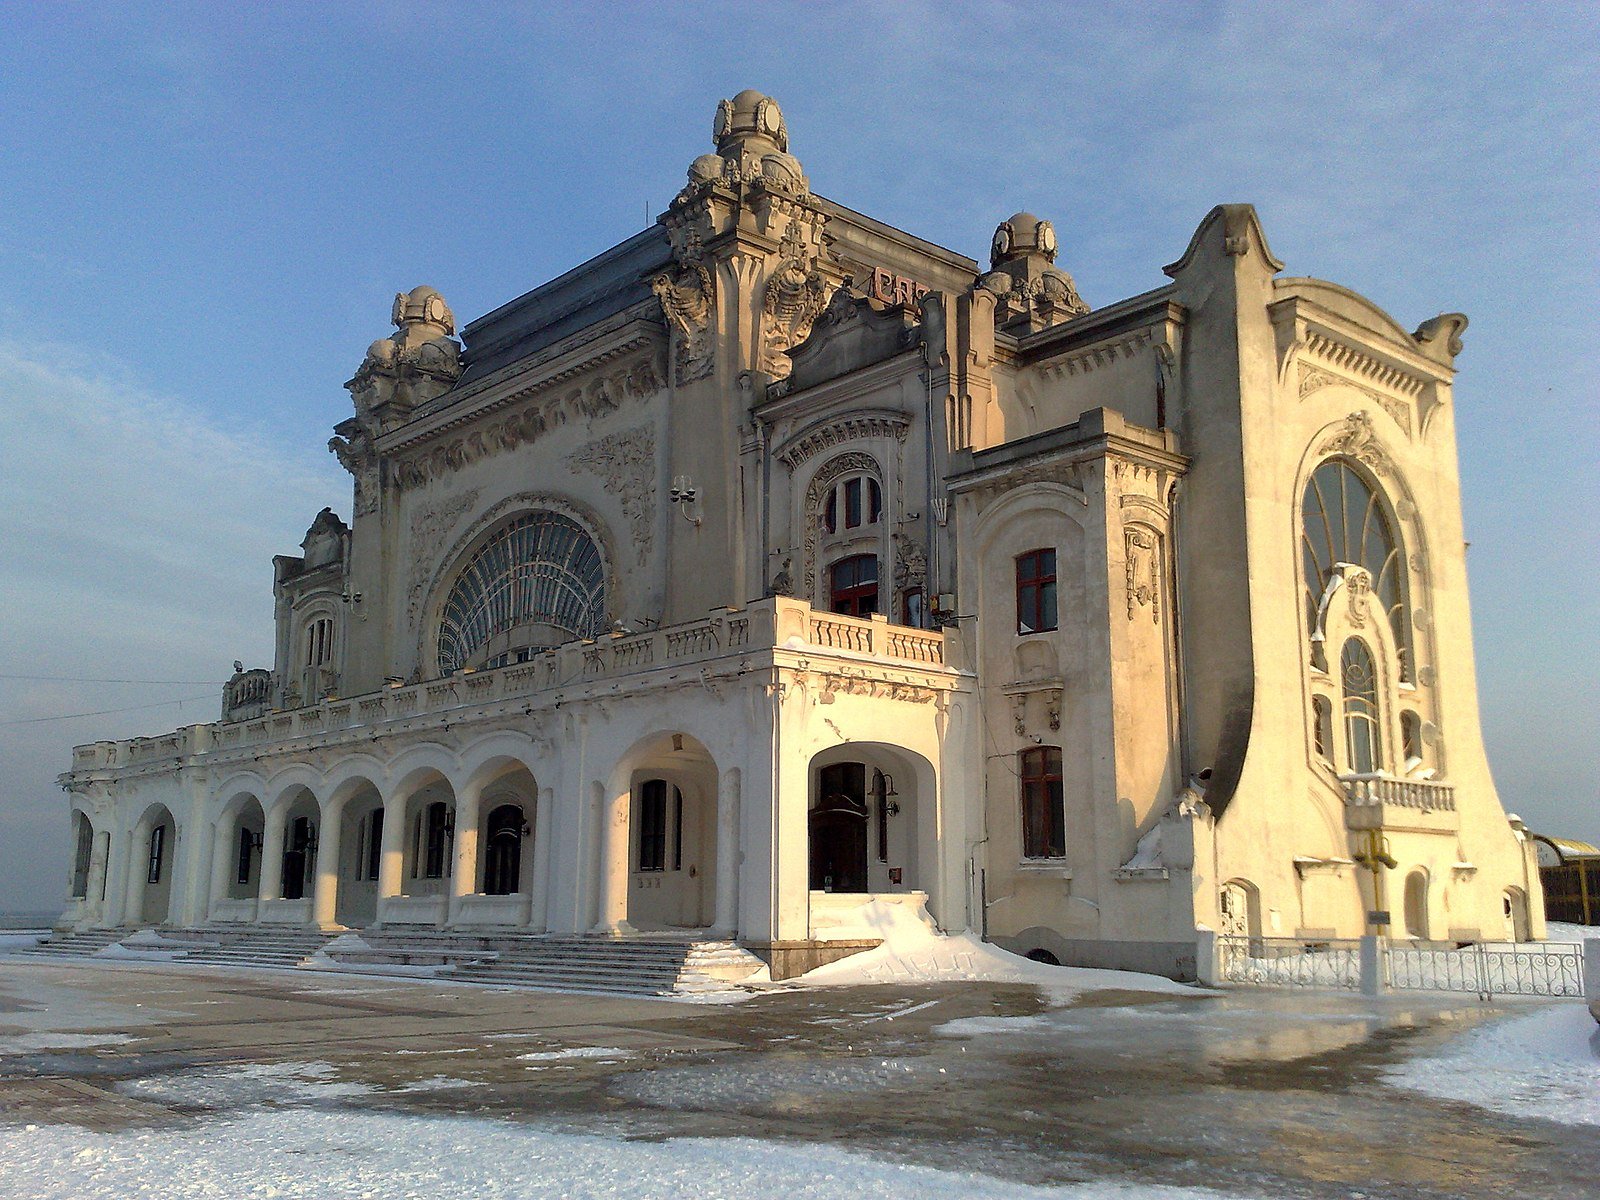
{"x":75,"y":944}
{"x":629,"y":966}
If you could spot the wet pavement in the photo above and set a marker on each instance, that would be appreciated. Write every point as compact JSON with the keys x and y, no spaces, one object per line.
{"x":1248,"y":1092}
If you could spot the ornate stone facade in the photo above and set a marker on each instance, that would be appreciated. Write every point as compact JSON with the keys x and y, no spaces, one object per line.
{"x":884,"y":575}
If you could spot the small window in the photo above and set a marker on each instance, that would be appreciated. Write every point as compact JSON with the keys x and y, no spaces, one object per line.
{"x":1363,"y":739}
{"x":374,"y":855}
{"x":1036,"y":591}
{"x":80,"y":858}
{"x":1322,"y":727}
{"x":653,"y":825}
{"x":913,"y":608}
{"x":158,"y":845}
{"x":247,"y":848}
{"x":319,"y":642}
{"x":853,"y":586}
{"x":436,"y":822}
{"x":1043,"y":815}
{"x":1411,"y":737}
{"x":861,"y":501}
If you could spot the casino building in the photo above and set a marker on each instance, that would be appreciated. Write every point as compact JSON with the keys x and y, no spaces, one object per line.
{"x":776,"y":561}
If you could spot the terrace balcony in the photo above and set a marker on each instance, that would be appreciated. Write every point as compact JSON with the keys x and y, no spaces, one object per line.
{"x":1415,"y":805}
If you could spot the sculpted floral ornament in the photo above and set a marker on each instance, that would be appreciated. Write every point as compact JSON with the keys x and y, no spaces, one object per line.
{"x":626,"y":463}
{"x":687,"y":295}
{"x":1358,"y":589}
{"x":352,"y":445}
{"x":1356,"y":439}
{"x":1143,"y":570}
{"x":796,"y":294}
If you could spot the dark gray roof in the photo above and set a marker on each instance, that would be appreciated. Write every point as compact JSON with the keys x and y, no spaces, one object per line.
{"x":590,"y":292}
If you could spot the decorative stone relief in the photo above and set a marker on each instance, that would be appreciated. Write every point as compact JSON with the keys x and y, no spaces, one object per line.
{"x":796,"y":293}
{"x":1358,"y":587}
{"x":1142,"y":565}
{"x":601,"y":394}
{"x":355,"y":453}
{"x":626,"y":463}
{"x":429,"y":526}
{"x":910,"y":564}
{"x":846,"y":464}
{"x":1355,"y":439}
{"x":1313,"y":379}
{"x":856,"y":427}
{"x":688,"y":295}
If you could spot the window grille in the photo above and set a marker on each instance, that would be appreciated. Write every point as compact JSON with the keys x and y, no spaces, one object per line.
{"x":541,"y":569}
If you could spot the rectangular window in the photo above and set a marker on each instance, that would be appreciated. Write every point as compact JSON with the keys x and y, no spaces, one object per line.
{"x":653,"y":825}
{"x":246,"y":851}
{"x":437,"y":839}
{"x":677,"y":830}
{"x":158,"y":843}
{"x":852,"y":504}
{"x":1036,"y":591}
{"x":854,"y":586}
{"x":1043,"y":815}
{"x":830,"y":513}
{"x":374,"y":842}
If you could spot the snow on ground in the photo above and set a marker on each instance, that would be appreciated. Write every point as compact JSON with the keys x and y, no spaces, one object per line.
{"x":1558,"y":931}
{"x":914,"y":952}
{"x":343,"y":1155}
{"x":31,"y":1043}
{"x":574,"y":1052}
{"x":21,"y":939}
{"x":1544,"y":1063}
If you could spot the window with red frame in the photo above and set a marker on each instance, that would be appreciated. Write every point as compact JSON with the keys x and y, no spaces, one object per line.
{"x":853,"y":586}
{"x":1043,"y":816}
{"x":1036,"y":591}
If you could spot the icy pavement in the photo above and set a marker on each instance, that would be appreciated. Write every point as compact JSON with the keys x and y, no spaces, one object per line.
{"x":254,"y":1084}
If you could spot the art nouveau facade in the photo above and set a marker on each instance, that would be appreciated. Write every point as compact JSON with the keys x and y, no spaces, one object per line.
{"x":776,"y":559}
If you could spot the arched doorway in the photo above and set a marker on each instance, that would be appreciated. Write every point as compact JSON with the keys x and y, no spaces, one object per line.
{"x":242,"y":836}
{"x":871,"y":831}
{"x":1240,"y":910}
{"x":152,"y":863}
{"x":1416,"y":905}
{"x":299,"y":848}
{"x":359,"y":812}
{"x":502,"y":850}
{"x":1514,"y":904}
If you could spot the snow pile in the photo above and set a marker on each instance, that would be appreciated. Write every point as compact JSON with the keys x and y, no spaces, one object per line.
{"x":21,"y":939}
{"x":914,"y":952}
{"x":574,"y":1052}
{"x":1540,"y":1064}
{"x":301,"y":1154}
{"x":1558,"y":931}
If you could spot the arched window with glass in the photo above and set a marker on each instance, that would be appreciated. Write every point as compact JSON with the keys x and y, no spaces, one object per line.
{"x":1345,"y":520}
{"x":537,"y":582}
{"x":1362,"y":723}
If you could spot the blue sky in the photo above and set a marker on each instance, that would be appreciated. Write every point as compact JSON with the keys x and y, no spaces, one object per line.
{"x":206,"y":209}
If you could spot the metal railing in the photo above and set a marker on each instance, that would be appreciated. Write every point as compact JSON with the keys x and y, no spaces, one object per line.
{"x":1290,"y":962}
{"x":1488,"y":969}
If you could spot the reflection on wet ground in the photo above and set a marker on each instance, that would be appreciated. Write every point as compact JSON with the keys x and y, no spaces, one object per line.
{"x":1256,"y":1093}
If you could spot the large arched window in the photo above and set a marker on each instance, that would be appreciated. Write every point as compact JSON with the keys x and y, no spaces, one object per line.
{"x":1362,"y":730}
{"x":542,"y":575}
{"x":1343,"y":520}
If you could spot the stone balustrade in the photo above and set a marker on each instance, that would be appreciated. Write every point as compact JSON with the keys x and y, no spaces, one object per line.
{"x":1422,"y":794}
{"x":778,"y":623}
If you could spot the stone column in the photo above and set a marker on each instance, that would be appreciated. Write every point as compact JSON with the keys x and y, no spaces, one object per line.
{"x":539,"y":864}
{"x":464,"y":864}
{"x":133,"y":880}
{"x":271,"y":861}
{"x":612,"y":883}
{"x":325,"y":894}
{"x":96,"y":894}
{"x":727,"y":884}
{"x":392,"y":860}
{"x":223,"y":848}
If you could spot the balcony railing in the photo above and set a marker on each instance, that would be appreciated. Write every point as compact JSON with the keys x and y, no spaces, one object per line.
{"x":778,"y":623}
{"x":1424,"y":795}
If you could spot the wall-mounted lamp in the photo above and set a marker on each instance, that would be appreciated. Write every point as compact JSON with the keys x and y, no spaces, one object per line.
{"x":684,"y":494}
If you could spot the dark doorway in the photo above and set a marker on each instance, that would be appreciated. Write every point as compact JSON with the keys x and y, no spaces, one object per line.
{"x":502,"y":864}
{"x":839,"y":830}
{"x":297,"y":858}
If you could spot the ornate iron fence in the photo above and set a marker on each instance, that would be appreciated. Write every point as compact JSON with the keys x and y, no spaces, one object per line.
{"x":1488,"y":969}
{"x":1290,"y":962}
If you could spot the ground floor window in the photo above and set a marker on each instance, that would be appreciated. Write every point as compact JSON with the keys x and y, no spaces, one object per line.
{"x":502,"y":865}
{"x":1043,"y":815}
{"x":660,"y":813}
{"x":158,"y":844}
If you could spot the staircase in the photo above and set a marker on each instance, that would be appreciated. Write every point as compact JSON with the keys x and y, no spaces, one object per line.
{"x":662,"y":965}
{"x":644,"y":966}
{"x":255,"y":946}
{"x":73,"y":944}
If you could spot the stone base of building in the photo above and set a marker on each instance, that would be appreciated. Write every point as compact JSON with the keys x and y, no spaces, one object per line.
{"x":1175,"y":960}
{"x":787,"y":959}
